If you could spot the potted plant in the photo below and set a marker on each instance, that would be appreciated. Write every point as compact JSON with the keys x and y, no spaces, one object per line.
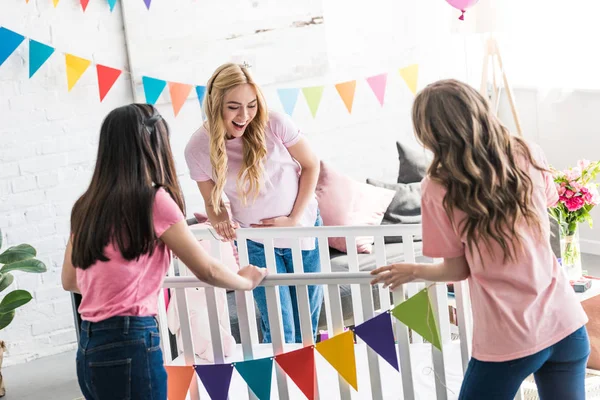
{"x":16,"y":258}
{"x":578,"y":195}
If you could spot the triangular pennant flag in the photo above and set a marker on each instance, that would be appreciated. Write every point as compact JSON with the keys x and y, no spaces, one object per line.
{"x":313,"y":98}
{"x":417,"y":314}
{"x":410,"y":75}
{"x":179,"y":94}
{"x":299,"y":365}
{"x":38,"y":55}
{"x":153,"y":88}
{"x":216,"y":379}
{"x":111,"y":4}
{"x":200,"y":91}
{"x":76,"y":66}
{"x":339,"y":352}
{"x":288,"y":98}
{"x":178,"y":381}
{"x":379,"y":335}
{"x":257,"y":374}
{"x":107,"y":77}
{"x":377,"y":84}
{"x":55,"y":2}
{"x":84,"y":4}
{"x":9,"y":41}
{"x":346,"y":91}
{"x":147,"y":3}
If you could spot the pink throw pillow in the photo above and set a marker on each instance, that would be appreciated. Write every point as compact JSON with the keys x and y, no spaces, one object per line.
{"x":344,"y":201}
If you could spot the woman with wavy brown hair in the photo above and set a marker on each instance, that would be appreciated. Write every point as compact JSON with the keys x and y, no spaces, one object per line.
{"x":484,"y":207}
{"x":263,"y":164}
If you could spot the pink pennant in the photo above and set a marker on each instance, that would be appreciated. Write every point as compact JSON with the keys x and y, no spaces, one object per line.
{"x":377,"y":84}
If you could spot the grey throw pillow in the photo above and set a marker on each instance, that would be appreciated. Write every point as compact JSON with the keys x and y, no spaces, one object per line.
{"x":405,"y":207}
{"x":413,"y":163}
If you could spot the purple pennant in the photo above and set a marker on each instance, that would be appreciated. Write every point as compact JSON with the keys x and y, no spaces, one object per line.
{"x":216,"y":379}
{"x":378,"y":334}
{"x":147,"y":3}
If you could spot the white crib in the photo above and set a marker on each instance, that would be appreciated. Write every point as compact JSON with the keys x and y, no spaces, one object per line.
{"x":425,"y":372}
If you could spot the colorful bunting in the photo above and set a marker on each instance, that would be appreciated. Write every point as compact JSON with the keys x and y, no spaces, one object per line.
{"x":107,"y":77}
{"x":178,"y":381}
{"x":9,"y":41}
{"x":111,"y":4}
{"x":417,"y":314}
{"x":179,"y":94}
{"x":38,"y":55}
{"x":84,"y":4}
{"x":288,"y":98}
{"x":299,"y":365}
{"x":313,"y":97}
{"x":76,"y":66}
{"x":200,"y":91}
{"x":379,"y":335}
{"x":346,"y":91}
{"x":153,"y":89}
{"x":377,"y":84}
{"x":216,"y":379}
{"x":55,"y":2}
{"x":339,"y":352}
{"x":410,"y":75}
{"x":147,"y":3}
{"x":258,"y":375}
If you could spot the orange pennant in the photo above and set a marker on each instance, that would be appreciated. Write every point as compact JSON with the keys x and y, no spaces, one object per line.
{"x":179,"y":94}
{"x":346,"y":91}
{"x":106,"y":79}
{"x":179,"y":380}
{"x":299,"y":365}
{"x":339,"y":352}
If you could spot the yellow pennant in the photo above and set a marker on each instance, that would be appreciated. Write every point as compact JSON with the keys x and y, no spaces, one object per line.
{"x":410,"y":75}
{"x":339,"y":352}
{"x":76,"y":66}
{"x":53,"y":1}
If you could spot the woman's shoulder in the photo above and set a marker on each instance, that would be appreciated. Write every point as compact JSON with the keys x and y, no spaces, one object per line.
{"x":197,"y":142}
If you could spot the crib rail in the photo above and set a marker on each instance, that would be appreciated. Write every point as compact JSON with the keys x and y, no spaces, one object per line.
{"x":363,"y":306}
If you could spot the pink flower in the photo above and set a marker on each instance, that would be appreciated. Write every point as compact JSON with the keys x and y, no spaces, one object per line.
{"x":563,"y":184}
{"x":576,"y":186}
{"x":583,"y":164}
{"x":574,"y":203}
{"x":569,"y":193}
{"x":561,"y":190}
{"x":595,"y":200}
{"x":573,"y":173}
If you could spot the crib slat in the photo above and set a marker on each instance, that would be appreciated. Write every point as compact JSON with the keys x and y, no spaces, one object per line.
{"x":354,"y":290}
{"x":380,"y":260}
{"x":213,"y":311}
{"x":465,"y":328}
{"x":163,"y":328}
{"x":216,"y":252}
{"x":412,"y":288}
{"x":326,"y":267}
{"x":186,"y":337}
{"x":302,"y":294}
{"x":275,"y":323}
{"x":368,"y":308}
{"x":439,"y":297}
{"x":245,"y":309}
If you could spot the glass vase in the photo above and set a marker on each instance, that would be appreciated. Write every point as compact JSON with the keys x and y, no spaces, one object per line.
{"x":570,"y":252}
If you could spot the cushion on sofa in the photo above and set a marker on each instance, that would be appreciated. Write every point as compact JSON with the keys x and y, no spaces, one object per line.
{"x":414,"y":162}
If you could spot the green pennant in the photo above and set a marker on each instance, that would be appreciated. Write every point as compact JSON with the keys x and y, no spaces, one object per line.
{"x":313,"y":97}
{"x":417,"y":314}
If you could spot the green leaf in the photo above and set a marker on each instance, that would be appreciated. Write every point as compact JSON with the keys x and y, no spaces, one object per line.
{"x":14,"y":299}
{"x":6,"y":319}
{"x":5,"y":280}
{"x":17,"y":253}
{"x":31,"y":265}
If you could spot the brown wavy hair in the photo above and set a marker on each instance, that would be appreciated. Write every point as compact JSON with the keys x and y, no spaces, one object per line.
{"x":477,"y":160}
{"x":249,"y":181}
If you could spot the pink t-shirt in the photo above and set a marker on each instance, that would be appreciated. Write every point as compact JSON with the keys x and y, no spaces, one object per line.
{"x":280,"y":180}
{"x":129,"y":288}
{"x":519,"y":308}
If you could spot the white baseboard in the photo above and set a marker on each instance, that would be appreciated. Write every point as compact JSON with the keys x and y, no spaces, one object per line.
{"x":589,"y":246}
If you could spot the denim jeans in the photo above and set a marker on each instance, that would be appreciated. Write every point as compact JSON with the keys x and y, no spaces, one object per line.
{"x":287,"y":294}
{"x":120,"y":359}
{"x":559,"y":372}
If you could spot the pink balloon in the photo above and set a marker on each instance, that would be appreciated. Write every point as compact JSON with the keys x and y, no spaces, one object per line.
{"x":462,"y":5}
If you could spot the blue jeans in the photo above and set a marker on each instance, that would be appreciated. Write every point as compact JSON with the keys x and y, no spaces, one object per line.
{"x":120,"y":358}
{"x":559,"y":372}
{"x":287,"y":294}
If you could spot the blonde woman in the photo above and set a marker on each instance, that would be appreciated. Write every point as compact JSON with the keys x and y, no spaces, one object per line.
{"x":265,"y":167}
{"x":484,"y":205}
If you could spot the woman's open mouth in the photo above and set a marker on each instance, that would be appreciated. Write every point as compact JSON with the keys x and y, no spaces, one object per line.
{"x":238,"y":126}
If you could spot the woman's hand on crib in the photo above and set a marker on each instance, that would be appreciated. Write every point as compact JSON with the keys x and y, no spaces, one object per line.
{"x":254,"y":275}
{"x":394,"y":275}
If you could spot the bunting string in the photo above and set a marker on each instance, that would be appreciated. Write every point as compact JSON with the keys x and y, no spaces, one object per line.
{"x":111,"y":4}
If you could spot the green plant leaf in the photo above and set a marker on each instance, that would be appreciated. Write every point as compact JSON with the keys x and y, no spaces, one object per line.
{"x":6,"y":319}
{"x":14,"y":299}
{"x":17,"y":253}
{"x":5,"y":280}
{"x":31,"y":265}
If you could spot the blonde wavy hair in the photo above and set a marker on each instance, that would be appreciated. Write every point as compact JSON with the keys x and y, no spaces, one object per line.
{"x":477,"y":160}
{"x":249,"y":181}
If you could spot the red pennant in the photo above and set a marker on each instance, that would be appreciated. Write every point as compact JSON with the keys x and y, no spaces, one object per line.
{"x":300,"y":367}
{"x":84,"y":4}
{"x":106,"y":79}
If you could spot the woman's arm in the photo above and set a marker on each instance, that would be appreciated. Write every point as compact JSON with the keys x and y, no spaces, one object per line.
{"x":68,"y":274}
{"x":450,"y":270}
{"x":184,"y":245}
{"x":222,"y":222}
